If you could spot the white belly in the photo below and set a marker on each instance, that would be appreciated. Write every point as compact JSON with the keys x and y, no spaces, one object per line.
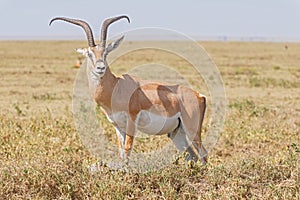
{"x":147,"y":122}
{"x":119,"y":118}
{"x":152,"y":124}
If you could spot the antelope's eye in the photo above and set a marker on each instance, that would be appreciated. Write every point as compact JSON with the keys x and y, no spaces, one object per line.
{"x":90,"y":55}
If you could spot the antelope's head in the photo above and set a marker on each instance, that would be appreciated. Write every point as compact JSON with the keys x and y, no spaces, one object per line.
{"x":96,"y":54}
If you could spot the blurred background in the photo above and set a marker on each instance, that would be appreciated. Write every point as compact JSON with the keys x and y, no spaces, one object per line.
{"x":254,"y":20}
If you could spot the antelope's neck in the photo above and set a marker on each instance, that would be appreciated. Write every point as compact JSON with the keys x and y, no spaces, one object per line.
{"x":104,"y":90}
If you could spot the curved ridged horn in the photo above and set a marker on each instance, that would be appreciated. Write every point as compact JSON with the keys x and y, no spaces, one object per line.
{"x":105,"y":25}
{"x":83,"y":24}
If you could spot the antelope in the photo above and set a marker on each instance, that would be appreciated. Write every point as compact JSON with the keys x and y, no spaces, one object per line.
{"x":132,"y":104}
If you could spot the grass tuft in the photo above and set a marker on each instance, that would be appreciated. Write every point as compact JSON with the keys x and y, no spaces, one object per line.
{"x":256,"y":157}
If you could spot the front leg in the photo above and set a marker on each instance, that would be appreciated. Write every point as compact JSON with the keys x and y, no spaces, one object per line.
{"x":128,"y":145}
{"x":121,"y":141}
{"x":130,"y":132}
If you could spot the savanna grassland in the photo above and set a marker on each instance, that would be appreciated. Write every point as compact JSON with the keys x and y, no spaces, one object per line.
{"x":256,"y":157}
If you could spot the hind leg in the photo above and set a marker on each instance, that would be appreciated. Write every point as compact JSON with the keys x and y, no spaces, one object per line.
{"x":192,"y":129}
{"x":197,"y":144}
{"x":180,"y":141}
{"x":201,"y":150}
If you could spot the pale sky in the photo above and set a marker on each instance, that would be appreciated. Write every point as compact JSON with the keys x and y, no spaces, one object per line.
{"x":197,"y":18}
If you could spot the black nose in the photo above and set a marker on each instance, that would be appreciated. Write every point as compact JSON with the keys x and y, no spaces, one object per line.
{"x":101,"y":68}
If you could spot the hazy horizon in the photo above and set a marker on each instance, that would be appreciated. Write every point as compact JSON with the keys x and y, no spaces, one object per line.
{"x":254,"y":20}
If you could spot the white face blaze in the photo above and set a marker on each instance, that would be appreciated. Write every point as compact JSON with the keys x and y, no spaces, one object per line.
{"x":100,"y":67}
{"x":96,"y":66}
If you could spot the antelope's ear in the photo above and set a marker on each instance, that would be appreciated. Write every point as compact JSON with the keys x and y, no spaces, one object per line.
{"x":113,"y":45}
{"x":82,"y":51}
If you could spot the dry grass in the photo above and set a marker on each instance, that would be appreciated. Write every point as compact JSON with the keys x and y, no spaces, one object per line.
{"x":257,"y":155}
